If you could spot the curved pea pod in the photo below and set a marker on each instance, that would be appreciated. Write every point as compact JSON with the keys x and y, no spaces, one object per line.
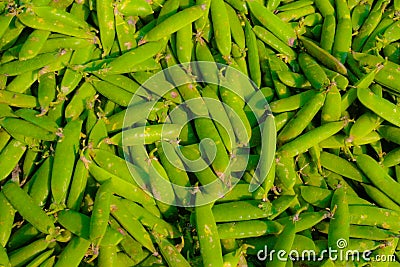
{"x":392,"y":158}
{"x":292,"y":102}
{"x":7,"y":214}
{"x":313,"y":71}
{"x":331,"y":110}
{"x":49,"y":24}
{"x":148,"y":134}
{"x":73,"y":253}
{"x":392,"y":52}
{"x":17,"y":99}
{"x":33,"y":44}
{"x":208,"y":233}
{"x":174,"y":23}
{"x":294,"y":15}
{"x":273,"y":23}
{"x":252,"y":54}
{"x":305,"y":220}
{"x":293,"y":79}
{"x":302,"y":118}
{"x":343,"y":38}
{"x":131,"y":59}
{"x":14,"y":68}
{"x":24,"y":204}
{"x":149,"y":220}
{"x":170,"y":253}
{"x":46,"y":90}
{"x":378,"y":176}
{"x":313,"y":137}
{"x":71,"y":77}
{"x":80,"y":101}
{"x":100,"y":213}
{"x":33,"y":117}
{"x":235,"y":24}
{"x":380,"y":198}
{"x":125,"y":30}
{"x":134,"y":8}
{"x":64,"y":161}
{"x":114,"y":93}
{"x":374,"y":216}
{"x":40,"y":188}
{"x":4,"y":260}
{"x":284,"y":243}
{"x":366,"y":123}
{"x":323,"y":56}
{"x":25,"y":128}
{"x":10,"y":156}
{"x":274,"y":42}
{"x":286,"y":174}
{"x":390,"y":133}
{"x":341,"y":166}
{"x":184,"y":44}
{"x":133,"y":227}
{"x":382,"y":107}
{"x":241,"y":210}
{"x":281,"y":204}
{"x":22,"y":256}
{"x":41,"y":258}
{"x":221,"y":27}
{"x":105,"y":16}
{"x":339,"y":225}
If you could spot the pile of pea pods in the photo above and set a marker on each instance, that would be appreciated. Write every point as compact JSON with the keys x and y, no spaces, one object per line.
{"x":71,"y":161}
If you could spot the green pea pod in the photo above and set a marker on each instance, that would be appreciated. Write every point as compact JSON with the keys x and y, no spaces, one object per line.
{"x":325,"y":7}
{"x":10,"y":156}
{"x":293,"y":79}
{"x":73,"y":253}
{"x":236,"y":27}
{"x":174,"y":23}
{"x":80,"y":101}
{"x":4,"y":260}
{"x":22,"y":236}
{"x":40,"y":188}
{"x":364,"y":124}
{"x":27,"y":129}
{"x":273,"y":23}
{"x":313,"y":71}
{"x":105,"y":15}
{"x":41,"y":258}
{"x":302,"y":143}
{"x":331,"y":110}
{"x":392,"y":158}
{"x":390,"y":133}
{"x":293,"y":102}
{"x":382,"y":218}
{"x":378,"y":176}
{"x":19,"y":67}
{"x":24,"y":204}
{"x":274,"y":42}
{"x":49,"y":262}
{"x":42,"y":121}
{"x":22,"y":256}
{"x":341,"y":166}
{"x":380,"y":198}
{"x":286,"y":174}
{"x":252,"y":54}
{"x":64,"y":161}
{"x":241,"y":210}
{"x":378,"y":105}
{"x":46,"y":90}
{"x":17,"y":99}
{"x":133,"y":57}
{"x":360,"y":231}
{"x":133,"y":227}
{"x":170,"y":253}
{"x":303,"y":117}
{"x":185,"y":44}
{"x":100,"y":213}
{"x":7,"y":213}
{"x":49,"y":24}
{"x":343,"y":39}
{"x":134,"y":8}
{"x":293,"y":15}
{"x":339,"y":225}
{"x":33,"y":44}
{"x":210,"y":246}
{"x":284,"y":243}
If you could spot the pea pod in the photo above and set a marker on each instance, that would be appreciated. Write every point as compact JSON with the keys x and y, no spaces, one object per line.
{"x":64,"y":161}
{"x":10,"y":156}
{"x":314,"y":73}
{"x":270,"y":21}
{"x":7,"y":214}
{"x":73,"y":252}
